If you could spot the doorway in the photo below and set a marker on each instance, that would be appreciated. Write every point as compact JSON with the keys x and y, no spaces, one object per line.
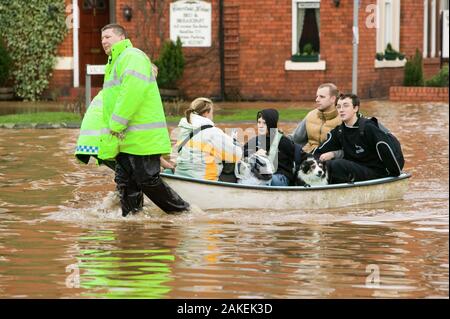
{"x":94,"y":14}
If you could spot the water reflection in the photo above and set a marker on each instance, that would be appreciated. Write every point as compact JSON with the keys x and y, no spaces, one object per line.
{"x":115,"y":272}
{"x":55,"y":225}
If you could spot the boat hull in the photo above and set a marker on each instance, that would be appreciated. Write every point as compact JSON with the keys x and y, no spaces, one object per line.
{"x":218,"y":195}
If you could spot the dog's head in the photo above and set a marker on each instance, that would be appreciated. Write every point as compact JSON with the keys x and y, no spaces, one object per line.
{"x":255,"y":168}
{"x":312,"y":171}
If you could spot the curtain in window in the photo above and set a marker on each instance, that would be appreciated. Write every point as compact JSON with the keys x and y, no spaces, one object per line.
{"x":318,"y":19}
{"x":300,"y":23}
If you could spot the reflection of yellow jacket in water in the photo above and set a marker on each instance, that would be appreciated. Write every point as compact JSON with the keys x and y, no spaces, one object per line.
{"x":88,"y":140}
{"x":203,"y":155}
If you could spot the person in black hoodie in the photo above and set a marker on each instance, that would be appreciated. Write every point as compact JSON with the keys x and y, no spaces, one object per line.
{"x":271,"y":142}
{"x":366,"y":156}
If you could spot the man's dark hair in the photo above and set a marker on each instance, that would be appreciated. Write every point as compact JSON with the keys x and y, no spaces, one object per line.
{"x":353,"y":97}
{"x":117,"y":29}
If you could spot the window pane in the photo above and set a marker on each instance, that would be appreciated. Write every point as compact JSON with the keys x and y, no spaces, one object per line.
{"x":308,"y":29}
{"x":388,"y":24}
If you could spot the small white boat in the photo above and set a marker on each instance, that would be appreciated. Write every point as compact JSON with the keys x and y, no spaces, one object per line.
{"x":220,"y":195}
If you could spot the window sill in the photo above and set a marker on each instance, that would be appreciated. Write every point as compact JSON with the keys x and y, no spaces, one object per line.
{"x":390,"y":64}
{"x":304,"y":66}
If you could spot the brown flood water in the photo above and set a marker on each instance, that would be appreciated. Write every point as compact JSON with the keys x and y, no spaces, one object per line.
{"x":57,"y":239}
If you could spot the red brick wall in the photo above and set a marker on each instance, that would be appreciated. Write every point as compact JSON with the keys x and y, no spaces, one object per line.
{"x":62,"y":80}
{"x":202,"y":71}
{"x":265,"y":44}
{"x":418,"y":94}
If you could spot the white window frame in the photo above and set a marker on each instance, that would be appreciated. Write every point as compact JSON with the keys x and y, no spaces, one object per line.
{"x":433,"y":29}
{"x":382,"y":23}
{"x":443,"y":4}
{"x":294,"y":23}
{"x":301,"y":66}
{"x":425,"y":28}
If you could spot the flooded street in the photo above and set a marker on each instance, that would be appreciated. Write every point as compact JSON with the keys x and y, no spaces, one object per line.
{"x":58,"y":238}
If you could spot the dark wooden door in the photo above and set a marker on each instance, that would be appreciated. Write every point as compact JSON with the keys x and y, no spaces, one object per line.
{"x":94,"y":14}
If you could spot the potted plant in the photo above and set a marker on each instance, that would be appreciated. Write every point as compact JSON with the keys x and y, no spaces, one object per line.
{"x":379,"y":56}
{"x":307,"y":55}
{"x":6,"y":92}
{"x":390,"y":54}
{"x":170,"y":65}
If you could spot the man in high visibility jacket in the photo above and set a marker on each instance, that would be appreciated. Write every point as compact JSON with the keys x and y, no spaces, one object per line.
{"x":88,"y":139}
{"x":135,"y":133}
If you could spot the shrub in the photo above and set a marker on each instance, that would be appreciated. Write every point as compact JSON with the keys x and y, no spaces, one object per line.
{"x":379,"y":56}
{"x":32,"y":32}
{"x":170,"y":64}
{"x":414,"y":71}
{"x":440,"y":79}
{"x":5,"y":64}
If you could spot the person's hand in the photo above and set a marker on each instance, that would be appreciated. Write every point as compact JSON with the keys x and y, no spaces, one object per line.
{"x":171,"y":165}
{"x":326,"y":156}
{"x":155,"y":70}
{"x":261,"y":152}
{"x":167,"y":164}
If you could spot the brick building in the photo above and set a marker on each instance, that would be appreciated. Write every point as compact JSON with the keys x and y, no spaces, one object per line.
{"x":252,"y":60}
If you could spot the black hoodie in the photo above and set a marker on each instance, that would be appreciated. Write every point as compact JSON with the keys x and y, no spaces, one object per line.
{"x":285,"y":147}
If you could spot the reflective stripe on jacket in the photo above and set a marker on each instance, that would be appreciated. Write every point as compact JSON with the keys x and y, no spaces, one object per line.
{"x":90,"y":130}
{"x":132,"y":105}
{"x":203,"y":155}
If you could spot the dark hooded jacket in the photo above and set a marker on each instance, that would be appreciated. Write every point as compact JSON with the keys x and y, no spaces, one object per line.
{"x":285,"y":147}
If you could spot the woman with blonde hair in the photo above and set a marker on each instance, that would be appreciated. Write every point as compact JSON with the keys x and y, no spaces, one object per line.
{"x":202,"y":147}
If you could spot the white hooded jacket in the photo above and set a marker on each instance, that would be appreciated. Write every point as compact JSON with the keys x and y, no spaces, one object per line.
{"x":202,"y":156}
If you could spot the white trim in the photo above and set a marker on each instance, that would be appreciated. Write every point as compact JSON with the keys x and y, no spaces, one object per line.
{"x":380,"y":29}
{"x":64,"y":63}
{"x":390,"y":64}
{"x":305,"y":66}
{"x":425,"y":28}
{"x":76,"y":61}
{"x":294,"y":28}
{"x":433,"y":29}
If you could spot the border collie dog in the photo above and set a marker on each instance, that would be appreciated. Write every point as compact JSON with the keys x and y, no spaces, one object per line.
{"x":255,"y":170}
{"x":311,"y":172}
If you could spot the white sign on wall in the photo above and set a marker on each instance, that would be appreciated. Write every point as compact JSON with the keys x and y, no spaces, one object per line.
{"x":445,"y":34}
{"x":191,"y":21}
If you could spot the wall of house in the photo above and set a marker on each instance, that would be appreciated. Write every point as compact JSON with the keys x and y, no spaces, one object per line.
{"x":61,"y":81}
{"x":257,"y":44}
{"x":265,"y":44}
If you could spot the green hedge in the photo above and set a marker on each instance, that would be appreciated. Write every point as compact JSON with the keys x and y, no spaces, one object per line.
{"x":32,"y":30}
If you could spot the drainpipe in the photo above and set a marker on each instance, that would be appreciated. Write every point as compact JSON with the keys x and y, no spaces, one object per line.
{"x":76,"y":26}
{"x":221,"y":51}
{"x":355,"y":47}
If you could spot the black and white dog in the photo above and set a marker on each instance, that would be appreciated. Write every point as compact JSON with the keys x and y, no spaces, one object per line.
{"x":311,"y":171}
{"x":255,"y":170}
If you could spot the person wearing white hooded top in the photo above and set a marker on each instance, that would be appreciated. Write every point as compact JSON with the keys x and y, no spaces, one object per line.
{"x":202,"y":155}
